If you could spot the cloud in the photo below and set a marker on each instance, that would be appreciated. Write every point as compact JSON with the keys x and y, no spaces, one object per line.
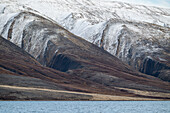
{"x":158,"y":3}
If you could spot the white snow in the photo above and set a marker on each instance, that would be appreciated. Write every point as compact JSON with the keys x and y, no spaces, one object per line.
{"x":4,"y":26}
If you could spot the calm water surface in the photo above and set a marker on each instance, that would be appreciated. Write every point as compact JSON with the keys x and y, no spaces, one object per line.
{"x":84,"y":106}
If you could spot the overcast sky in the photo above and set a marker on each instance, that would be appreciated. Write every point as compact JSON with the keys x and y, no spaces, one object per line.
{"x":160,"y":3}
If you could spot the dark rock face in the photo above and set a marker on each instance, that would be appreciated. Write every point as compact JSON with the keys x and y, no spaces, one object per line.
{"x":152,"y":67}
{"x":63,"y":63}
{"x":143,"y":46}
{"x":164,"y":75}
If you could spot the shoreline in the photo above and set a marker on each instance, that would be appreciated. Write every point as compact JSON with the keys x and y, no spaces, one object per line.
{"x":42,"y":94}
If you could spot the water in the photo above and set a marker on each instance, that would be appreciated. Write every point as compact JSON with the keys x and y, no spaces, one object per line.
{"x":84,"y":106}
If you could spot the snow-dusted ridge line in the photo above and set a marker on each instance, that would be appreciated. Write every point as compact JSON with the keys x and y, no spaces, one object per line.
{"x":101,"y":10}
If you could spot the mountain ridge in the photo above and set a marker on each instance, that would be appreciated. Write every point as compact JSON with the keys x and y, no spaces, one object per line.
{"x":136,"y":34}
{"x":49,"y":52}
{"x":86,"y":70}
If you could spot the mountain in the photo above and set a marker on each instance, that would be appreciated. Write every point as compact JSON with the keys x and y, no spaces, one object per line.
{"x":136,"y":34}
{"x":61,"y":65}
{"x":69,"y":63}
{"x":23,"y":78}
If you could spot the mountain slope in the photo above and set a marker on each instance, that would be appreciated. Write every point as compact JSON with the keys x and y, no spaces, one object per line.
{"x":92,"y":77}
{"x":136,"y":34}
{"x":81,"y":65}
{"x":18,"y":68}
{"x":21,"y":76}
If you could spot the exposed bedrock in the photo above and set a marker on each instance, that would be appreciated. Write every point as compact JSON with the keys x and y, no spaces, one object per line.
{"x":143,"y":46}
{"x":55,"y":47}
{"x":131,"y":41}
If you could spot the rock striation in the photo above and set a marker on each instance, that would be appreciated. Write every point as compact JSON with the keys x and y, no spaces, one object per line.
{"x":136,"y":34}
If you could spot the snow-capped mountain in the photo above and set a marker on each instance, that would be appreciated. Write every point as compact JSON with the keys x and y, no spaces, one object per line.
{"x":138,"y":35}
{"x":93,"y":11}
